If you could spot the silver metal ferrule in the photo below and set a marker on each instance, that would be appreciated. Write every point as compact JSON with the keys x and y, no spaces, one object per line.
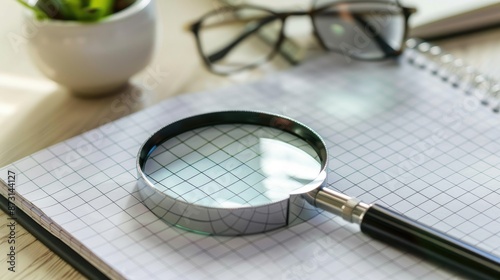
{"x":349,"y":208}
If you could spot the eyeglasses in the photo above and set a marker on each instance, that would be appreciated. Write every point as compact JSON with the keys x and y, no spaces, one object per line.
{"x":232,"y":39}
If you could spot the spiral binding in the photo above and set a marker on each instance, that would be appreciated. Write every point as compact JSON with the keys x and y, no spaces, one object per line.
{"x":454,"y":71}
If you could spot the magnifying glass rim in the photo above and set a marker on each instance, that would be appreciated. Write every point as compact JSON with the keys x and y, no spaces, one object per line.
{"x":150,"y":193}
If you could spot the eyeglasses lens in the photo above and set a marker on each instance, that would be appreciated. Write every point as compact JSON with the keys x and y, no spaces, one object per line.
{"x":234,"y":38}
{"x":362,"y":30}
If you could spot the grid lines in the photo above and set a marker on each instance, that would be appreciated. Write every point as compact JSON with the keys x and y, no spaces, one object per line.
{"x":231,"y":167}
{"x":396,"y":135}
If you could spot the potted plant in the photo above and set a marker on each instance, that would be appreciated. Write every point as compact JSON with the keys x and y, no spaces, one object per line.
{"x":92,"y":47}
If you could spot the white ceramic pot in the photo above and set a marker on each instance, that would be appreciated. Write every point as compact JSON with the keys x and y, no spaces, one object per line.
{"x":97,"y":58}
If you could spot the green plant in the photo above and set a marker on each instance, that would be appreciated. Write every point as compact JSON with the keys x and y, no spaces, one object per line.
{"x":78,"y":10}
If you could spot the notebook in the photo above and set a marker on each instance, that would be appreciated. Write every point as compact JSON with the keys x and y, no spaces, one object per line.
{"x":398,"y":134}
{"x":436,"y":19}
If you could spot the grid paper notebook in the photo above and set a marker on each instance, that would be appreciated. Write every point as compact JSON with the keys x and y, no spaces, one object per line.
{"x":396,"y":134}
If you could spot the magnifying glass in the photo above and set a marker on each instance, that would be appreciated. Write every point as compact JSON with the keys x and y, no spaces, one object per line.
{"x":243,"y":172}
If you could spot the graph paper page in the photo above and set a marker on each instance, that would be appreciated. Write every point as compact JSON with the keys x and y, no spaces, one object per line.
{"x":397,"y":135}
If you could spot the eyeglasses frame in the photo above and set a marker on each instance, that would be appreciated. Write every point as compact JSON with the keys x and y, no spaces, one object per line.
{"x":283,"y":16}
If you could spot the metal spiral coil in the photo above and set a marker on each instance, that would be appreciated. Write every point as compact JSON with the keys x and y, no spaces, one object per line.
{"x":455,"y":71}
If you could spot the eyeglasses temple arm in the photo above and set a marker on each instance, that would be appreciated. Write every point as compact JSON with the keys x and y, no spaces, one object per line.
{"x":382,"y":44}
{"x":224,"y":51}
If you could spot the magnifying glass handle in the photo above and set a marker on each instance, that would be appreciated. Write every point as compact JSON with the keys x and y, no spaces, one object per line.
{"x":400,"y":231}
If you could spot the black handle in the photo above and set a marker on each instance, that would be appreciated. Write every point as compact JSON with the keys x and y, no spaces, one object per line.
{"x":395,"y":229}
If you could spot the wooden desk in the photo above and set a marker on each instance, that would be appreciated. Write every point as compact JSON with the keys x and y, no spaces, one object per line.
{"x":35,"y":113}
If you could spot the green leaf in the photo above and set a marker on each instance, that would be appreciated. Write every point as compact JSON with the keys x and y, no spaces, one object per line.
{"x":106,"y":6}
{"x":90,"y":10}
{"x":80,"y":10}
{"x":63,"y":10}
{"x":38,"y":12}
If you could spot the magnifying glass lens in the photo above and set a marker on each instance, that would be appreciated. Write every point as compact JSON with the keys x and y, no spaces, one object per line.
{"x":232,"y":165}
